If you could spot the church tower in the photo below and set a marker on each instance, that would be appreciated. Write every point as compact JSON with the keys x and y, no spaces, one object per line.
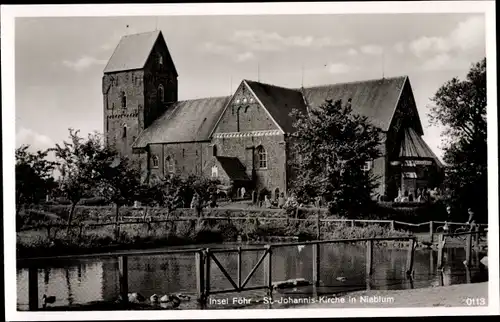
{"x":139,"y":84}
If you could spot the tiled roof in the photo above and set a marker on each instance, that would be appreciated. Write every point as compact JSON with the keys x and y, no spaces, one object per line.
{"x":375,"y":99}
{"x":413,"y":146}
{"x":279,"y":101}
{"x":184,"y":121}
{"x":132,"y":52}
{"x":233,"y":167}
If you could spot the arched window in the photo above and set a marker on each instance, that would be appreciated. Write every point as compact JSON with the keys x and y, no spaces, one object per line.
{"x":169,"y":164}
{"x":155,"y":161}
{"x":124,"y":131}
{"x":161,"y":94}
{"x":214,"y":150}
{"x":124,"y":99}
{"x":215,"y":171}
{"x":160,"y":60}
{"x":262,"y":154}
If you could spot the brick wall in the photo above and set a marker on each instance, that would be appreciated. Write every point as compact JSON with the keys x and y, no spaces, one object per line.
{"x":273,"y":176}
{"x":244,"y":117}
{"x":117,"y":117}
{"x":188,"y":158}
{"x":155,"y":75}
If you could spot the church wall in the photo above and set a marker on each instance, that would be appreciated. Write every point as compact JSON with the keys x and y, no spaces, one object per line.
{"x":116,"y":116}
{"x":243,"y":117}
{"x":155,"y":75}
{"x":189,"y":158}
{"x":271,"y":178}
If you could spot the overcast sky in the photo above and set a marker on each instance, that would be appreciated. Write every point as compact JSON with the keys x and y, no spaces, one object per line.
{"x":59,"y":61}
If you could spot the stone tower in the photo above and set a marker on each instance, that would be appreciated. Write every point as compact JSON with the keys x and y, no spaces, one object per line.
{"x":139,"y":84}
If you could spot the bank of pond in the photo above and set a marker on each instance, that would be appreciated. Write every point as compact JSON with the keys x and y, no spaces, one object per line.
{"x":59,"y":241}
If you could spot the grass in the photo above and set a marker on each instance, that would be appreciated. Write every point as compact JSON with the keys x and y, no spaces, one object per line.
{"x":35,"y":241}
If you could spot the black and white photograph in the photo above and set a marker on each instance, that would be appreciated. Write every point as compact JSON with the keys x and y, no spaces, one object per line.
{"x":265,"y":159}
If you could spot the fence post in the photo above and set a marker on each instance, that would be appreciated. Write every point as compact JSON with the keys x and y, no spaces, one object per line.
{"x":316,"y":264}
{"x":200,"y":283}
{"x":207,"y":273}
{"x":239,"y":268}
{"x":352,"y":223}
{"x":268,"y":269}
{"x":468,"y":249}
{"x":80,"y":232}
{"x":318,"y":227}
{"x":441,"y":243}
{"x":33,"y":288}
{"x":369,"y":258}
{"x":477,"y":238}
{"x":392,"y":225}
{"x":409,"y":258}
{"x":431,"y":231}
{"x":123,"y":277}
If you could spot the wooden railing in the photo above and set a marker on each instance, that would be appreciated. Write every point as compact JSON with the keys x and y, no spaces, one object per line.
{"x":433,"y":225}
{"x":205,"y":258}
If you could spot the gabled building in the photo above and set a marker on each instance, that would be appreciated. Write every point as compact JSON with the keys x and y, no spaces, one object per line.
{"x":244,"y":138}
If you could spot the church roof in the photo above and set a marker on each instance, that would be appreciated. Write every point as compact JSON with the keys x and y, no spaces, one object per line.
{"x":184,"y":121}
{"x":413,"y":146}
{"x":194,"y":120}
{"x":279,"y":102}
{"x":233,"y":167}
{"x":375,"y":99}
{"x":132,"y":52}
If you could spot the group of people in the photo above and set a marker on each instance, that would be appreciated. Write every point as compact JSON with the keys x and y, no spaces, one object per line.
{"x":471,"y":221}
{"x":420,"y":195}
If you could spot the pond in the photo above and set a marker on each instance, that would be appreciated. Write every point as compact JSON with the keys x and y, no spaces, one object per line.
{"x":342,"y":269}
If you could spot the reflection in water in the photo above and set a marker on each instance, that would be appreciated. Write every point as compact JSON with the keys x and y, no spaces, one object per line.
{"x":342,"y":269}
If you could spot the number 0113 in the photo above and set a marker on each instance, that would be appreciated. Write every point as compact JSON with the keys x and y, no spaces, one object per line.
{"x":475,"y":301}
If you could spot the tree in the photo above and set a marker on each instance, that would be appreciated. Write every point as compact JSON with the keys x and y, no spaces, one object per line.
{"x":331,"y":145}
{"x":460,"y":106}
{"x":33,"y":176}
{"x":79,"y":161}
{"x":119,"y":181}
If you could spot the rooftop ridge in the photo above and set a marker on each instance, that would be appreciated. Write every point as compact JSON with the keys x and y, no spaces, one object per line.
{"x":357,"y":82}
{"x":273,"y":85}
{"x":202,"y":98}
{"x":142,"y":33}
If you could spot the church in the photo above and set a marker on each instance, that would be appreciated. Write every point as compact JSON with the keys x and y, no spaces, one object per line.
{"x":244,"y":139}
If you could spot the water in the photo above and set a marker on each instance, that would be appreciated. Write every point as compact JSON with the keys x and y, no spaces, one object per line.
{"x":87,"y":280}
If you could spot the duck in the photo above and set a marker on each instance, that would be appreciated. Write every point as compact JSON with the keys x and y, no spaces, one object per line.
{"x":341,"y":279}
{"x":48,"y":300}
{"x":184,"y":297}
{"x":136,"y":298}
{"x":174,"y":299}
{"x":154,"y":298}
{"x":164,"y":299}
{"x":300,"y":247}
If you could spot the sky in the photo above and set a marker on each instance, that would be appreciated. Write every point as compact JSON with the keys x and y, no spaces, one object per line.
{"x":59,"y":61}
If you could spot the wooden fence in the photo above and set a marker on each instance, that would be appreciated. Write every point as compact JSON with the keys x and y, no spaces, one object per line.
{"x":205,"y":258}
{"x":431,"y":231}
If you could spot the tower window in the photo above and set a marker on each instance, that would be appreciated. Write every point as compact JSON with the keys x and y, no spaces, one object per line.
{"x":161,"y":93}
{"x":215,"y":172}
{"x":124,"y":99}
{"x":155,"y":161}
{"x":262,"y":154}
{"x":214,"y":150}
{"x":124,"y":131}
{"x":160,"y":60}
{"x":183,"y":152}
